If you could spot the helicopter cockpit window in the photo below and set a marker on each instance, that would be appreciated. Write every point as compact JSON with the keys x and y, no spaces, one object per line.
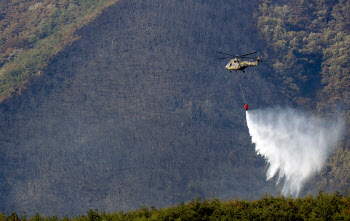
{"x":230,"y":64}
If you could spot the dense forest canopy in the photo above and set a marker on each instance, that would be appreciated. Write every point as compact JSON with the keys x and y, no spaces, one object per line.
{"x":321,"y":207}
{"x":308,"y":47}
{"x":308,"y":44}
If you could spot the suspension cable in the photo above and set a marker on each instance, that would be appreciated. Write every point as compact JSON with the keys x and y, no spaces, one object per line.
{"x":242,"y":93}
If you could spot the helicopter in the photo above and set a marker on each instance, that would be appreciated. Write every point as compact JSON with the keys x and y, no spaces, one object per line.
{"x":238,"y":63}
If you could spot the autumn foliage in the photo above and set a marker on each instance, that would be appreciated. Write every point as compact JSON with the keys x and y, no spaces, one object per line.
{"x":33,"y":32}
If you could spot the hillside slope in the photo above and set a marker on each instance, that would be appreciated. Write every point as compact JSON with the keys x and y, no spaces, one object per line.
{"x":138,"y":111}
{"x":33,"y":32}
{"x":308,"y":45}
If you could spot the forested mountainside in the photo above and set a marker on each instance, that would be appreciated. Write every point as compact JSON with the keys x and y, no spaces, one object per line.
{"x":308,"y":47}
{"x":138,"y":111}
{"x":123,"y":103}
{"x":33,"y":32}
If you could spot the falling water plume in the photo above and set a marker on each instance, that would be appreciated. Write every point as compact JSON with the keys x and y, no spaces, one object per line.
{"x":295,"y":144}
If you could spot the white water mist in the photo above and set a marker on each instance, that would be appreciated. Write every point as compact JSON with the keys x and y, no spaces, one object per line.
{"x":295,"y":144}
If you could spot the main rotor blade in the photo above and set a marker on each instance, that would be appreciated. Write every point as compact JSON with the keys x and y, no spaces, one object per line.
{"x":247,"y":54}
{"x":250,"y":57}
{"x":226,"y":54}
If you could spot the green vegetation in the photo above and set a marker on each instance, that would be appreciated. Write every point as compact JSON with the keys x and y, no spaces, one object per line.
{"x":322,"y":207}
{"x":34,"y":32}
{"x":308,"y":47}
{"x":308,"y":44}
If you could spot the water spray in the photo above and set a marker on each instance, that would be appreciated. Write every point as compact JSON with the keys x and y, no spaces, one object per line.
{"x":295,"y":144}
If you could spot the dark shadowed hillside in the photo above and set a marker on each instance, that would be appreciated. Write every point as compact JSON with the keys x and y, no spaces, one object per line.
{"x":138,"y":112}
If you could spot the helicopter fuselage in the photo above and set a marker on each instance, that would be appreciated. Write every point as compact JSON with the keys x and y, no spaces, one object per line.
{"x":238,"y":64}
